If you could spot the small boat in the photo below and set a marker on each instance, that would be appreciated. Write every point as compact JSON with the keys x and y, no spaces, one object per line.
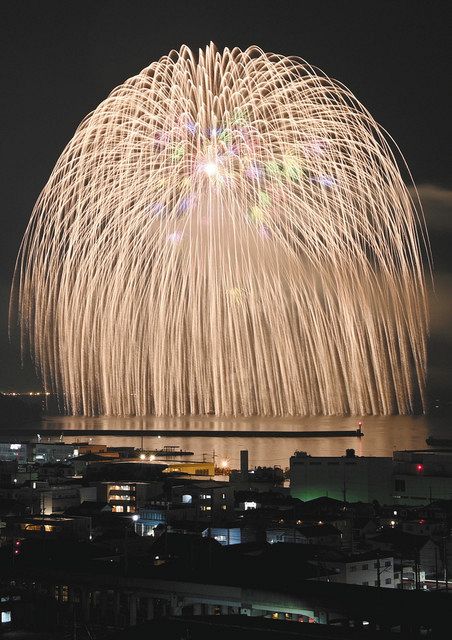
{"x":439,"y":442}
{"x":171,"y":451}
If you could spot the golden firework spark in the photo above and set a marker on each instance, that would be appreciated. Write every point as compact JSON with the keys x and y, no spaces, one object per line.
{"x":227,"y":234}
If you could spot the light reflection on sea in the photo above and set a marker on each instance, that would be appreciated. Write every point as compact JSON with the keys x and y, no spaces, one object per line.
{"x":383,"y":435}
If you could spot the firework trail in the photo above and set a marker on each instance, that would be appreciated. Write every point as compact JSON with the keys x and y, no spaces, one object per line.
{"x":228,"y":233}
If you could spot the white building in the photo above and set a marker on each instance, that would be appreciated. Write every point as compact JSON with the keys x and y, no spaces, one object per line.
{"x":367,"y":571}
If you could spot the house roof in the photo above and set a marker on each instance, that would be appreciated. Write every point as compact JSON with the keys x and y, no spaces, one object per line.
{"x":318,"y":530}
{"x":88,"y":508}
{"x":400,"y":540}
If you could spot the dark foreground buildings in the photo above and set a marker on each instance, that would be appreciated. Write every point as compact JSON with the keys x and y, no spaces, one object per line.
{"x":100,"y":543}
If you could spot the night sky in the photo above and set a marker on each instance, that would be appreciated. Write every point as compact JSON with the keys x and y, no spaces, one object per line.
{"x":61,"y":58}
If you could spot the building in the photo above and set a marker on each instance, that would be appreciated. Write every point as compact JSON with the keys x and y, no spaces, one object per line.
{"x":224,"y":535}
{"x":125,"y":496}
{"x":348,"y":478}
{"x":190,"y":467}
{"x":320,"y":534}
{"x":25,"y":527}
{"x":207,"y":499}
{"x":416,"y":550}
{"x":57,"y":499}
{"x":367,"y":569}
{"x":421,"y":477}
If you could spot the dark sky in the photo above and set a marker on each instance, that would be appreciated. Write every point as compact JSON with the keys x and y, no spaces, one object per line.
{"x":60,"y":58}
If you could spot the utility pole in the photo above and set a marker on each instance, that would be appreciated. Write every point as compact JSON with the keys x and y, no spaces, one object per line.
{"x":126,"y":559}
{"x":436,"y":567}
{"x":416,"y":569}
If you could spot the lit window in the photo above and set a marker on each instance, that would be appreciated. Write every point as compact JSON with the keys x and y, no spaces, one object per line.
{"x":6,"y":616}
{"x":249,"y":505}
{"x":224,"y":507}
{"x":187,"y":499}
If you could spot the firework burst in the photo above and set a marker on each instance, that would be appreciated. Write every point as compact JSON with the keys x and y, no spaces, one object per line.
{"x":226,"y":234}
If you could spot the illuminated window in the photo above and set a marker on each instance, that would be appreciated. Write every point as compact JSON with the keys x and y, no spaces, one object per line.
{"x":117,"y":509}
{"x":187,"y":499}
{"x":205,"y":496}
{"x":6,"y":616}
{"x":250,"y":505}
{"x":224,"y":507}
{"x":204,"y":508}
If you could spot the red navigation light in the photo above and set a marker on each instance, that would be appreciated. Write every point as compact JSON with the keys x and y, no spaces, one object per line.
{"x":16,"y":547}
{"x":420,"y":468}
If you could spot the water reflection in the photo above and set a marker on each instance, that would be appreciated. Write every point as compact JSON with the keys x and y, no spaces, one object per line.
{"x":382,"y":436}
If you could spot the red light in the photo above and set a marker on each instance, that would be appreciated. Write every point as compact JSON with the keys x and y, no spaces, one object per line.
{"x":420,"y":467}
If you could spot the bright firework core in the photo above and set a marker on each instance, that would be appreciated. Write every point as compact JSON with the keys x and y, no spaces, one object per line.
{"x":211,"y":168}
{"x":226,"y":234}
